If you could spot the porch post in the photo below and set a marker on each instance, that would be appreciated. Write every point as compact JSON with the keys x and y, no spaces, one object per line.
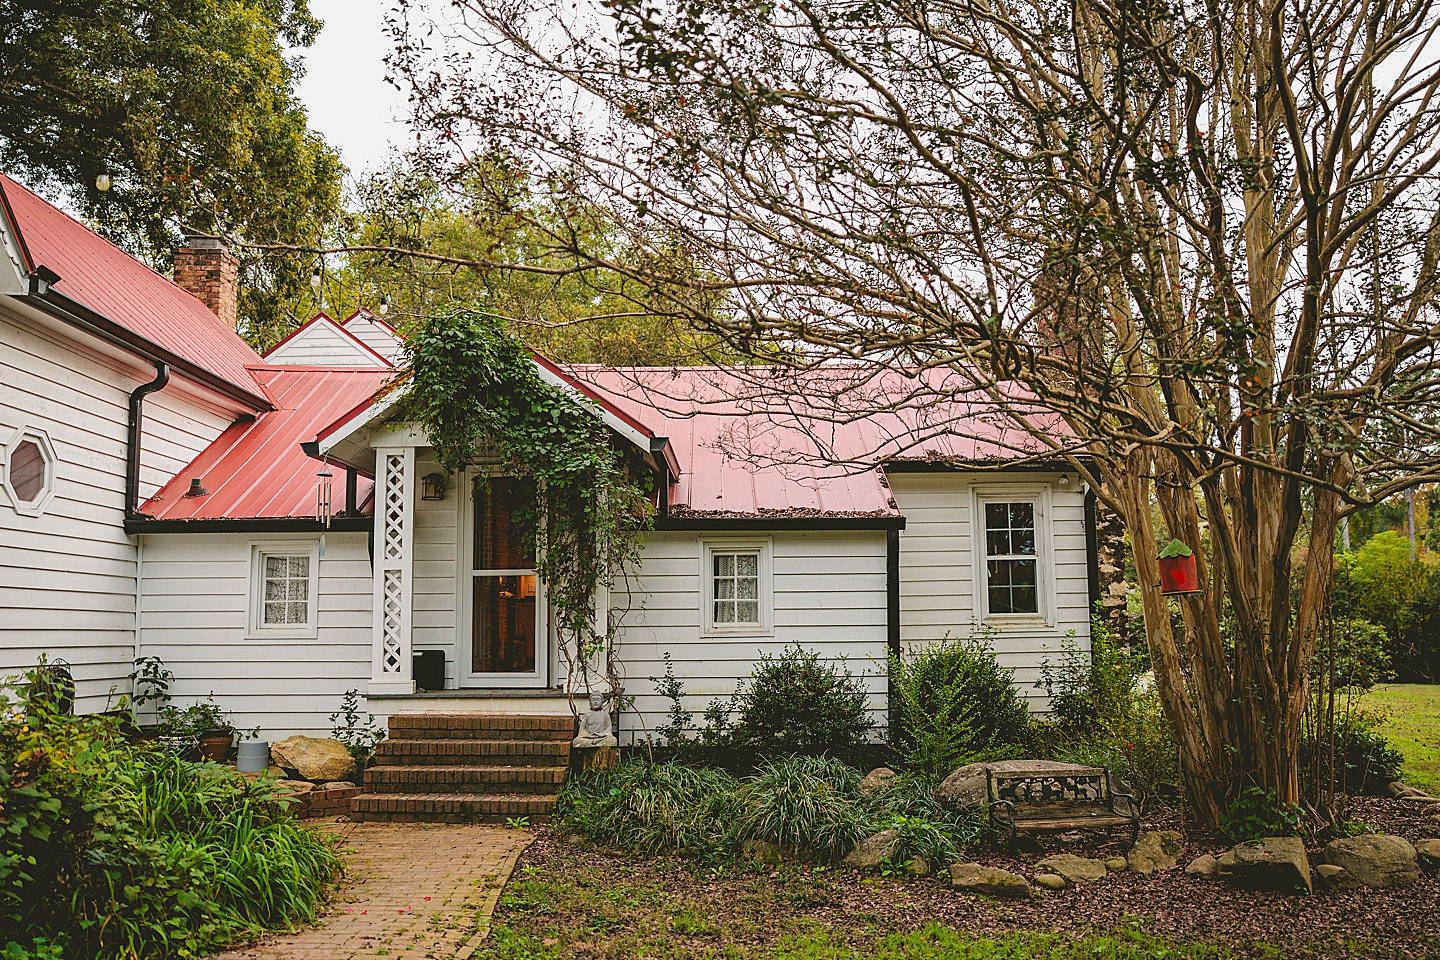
{"x":390,"y":669}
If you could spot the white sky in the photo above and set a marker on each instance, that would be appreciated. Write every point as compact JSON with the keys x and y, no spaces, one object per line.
{"x":344,"y":88}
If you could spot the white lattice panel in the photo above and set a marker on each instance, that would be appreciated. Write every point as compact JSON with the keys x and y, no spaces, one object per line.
{"x":392,"y":622}
{"x":394,"y":516}
{"x":394,"y":536}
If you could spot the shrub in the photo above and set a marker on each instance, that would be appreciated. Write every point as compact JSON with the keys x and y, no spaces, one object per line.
{"x":648,"y":808}
{"x":1257,"y":813}
{"x":793,"y":705}
{"x":360,"y":736}
{"x":1364,"y":761}
{"x":1358,"y":648}
{"x":805,"y":802}
{"x":956,"y":705}
{"x":111,"y":849}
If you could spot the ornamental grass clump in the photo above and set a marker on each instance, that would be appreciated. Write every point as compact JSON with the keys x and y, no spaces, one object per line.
{"x":906,"y":803}
{"x":113,"y":849}
{"x":806,"y":803}
{"x":648,"y":808}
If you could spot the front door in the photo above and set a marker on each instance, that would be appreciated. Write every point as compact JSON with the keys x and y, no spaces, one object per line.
{"x":501,"y":602}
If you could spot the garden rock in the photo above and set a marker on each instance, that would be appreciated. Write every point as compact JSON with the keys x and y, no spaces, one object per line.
{"x":967,"y":788}
{"x":314,"y":759}
{"x":1202,"y":866}
{"x":338,"y":785}
{"x":874,"y":780}
{"x":918,"y":866}
{"x":1335,"y":878}
{"x":1429,"y":853}
{"x":990,"y":881}
{"x":296,"y":788}
{"x":1155,"y":850}
{"x":1073,"y":868}
{"x":762,"y":851}
{"x":1376,"y":860}
{"x":874,"y":850}
{"x":1116,"y":864}
{"x":1050,"y":880}
{"x":1274,"y":863}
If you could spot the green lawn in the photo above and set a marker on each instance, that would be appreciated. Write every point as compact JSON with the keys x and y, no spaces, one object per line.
{"x":1412,"y":725}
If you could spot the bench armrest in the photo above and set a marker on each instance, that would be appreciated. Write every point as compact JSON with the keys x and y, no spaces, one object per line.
{"x":1131,"y":807}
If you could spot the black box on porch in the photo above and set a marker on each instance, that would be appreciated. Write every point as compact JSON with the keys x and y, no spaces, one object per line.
{"x":429,"y":669}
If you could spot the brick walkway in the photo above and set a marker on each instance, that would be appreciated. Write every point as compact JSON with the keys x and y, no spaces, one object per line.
{"x":412,"y":891}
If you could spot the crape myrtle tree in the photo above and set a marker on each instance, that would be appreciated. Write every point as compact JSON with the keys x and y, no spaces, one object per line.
{"x":1203,"y":235}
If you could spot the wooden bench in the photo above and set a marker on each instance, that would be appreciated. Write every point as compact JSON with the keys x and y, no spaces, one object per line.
{"x":1052,"y":801}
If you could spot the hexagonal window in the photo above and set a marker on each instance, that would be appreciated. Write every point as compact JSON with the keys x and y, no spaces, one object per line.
{"x":28,"y":474}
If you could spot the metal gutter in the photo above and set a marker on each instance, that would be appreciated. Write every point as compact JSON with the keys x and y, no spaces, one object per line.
{"x":683,"y":522}
{"x":44,"y":297}
{"x":133,"y":436}
{"x":143,"y":524}
{"x":1047,"y":465}
{"x":892,"y":616}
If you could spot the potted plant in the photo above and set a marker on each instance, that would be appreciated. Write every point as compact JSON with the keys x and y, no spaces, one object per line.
{"x":212,"y":729}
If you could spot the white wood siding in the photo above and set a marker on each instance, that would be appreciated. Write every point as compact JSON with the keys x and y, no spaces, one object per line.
{"x":322,"y":344}
{"x":193,"y":615}
{"x":829,"y":596}
{"x":67,"y":577}
{"x":938,"y":575}
{"x":376,"y":336}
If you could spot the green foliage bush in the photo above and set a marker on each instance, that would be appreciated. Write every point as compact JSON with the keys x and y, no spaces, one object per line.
{"x":1258,"y":813}
{"x":1102,"y":715}
{"x":112,"y":849}
{"x":793,"y":705}
{"x":810,"y":805}
{"x":1364,"y":761}
{"x":956,"y":705}
{"x":1379,"y":583}
{"x":1360,"y":654}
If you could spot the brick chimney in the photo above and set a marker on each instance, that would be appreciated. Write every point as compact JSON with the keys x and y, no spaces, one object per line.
{"x":207,"y":269}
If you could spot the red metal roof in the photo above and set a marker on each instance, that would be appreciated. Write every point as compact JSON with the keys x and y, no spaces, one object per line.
{"x":766,"y":441}
{"x":258,"y":469}
{"x":115,"y":285}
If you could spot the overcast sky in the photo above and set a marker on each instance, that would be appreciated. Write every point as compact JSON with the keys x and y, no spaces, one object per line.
{"x":344,"y":88}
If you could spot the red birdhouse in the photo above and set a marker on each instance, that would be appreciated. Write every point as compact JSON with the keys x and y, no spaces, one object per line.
{"x":1178,"y":573}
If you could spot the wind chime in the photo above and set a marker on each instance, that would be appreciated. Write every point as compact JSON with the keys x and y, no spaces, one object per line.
{"x":323,"y":502}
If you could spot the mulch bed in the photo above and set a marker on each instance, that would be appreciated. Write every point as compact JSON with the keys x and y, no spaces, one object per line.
{"x":1399,"y":923}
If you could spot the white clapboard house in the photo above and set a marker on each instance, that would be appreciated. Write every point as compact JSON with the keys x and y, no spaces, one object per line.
{"x":159,"y":498}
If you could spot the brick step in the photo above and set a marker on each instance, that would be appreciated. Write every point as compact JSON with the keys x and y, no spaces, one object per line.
{"x":449,"y":807}
{"x":480,"y":726}
{"x":484,"y":752}
{"x":488,"y":779}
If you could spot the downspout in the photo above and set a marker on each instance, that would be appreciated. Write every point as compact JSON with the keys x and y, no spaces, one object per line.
{"x":892,"y":617}
{"x":1092,"y":550}
{"x":132,"y":449}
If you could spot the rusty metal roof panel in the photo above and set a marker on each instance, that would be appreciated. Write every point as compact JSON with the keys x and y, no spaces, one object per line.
{"x":120,"y":288}
{"x":258,"y":470}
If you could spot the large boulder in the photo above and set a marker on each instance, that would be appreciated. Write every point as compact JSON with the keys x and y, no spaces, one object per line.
{"x":1157,"y":850}
{"x":1376,"y":860}
{"x":1050,"y":881}
{"x":1333,"y":878}
{"x":874,"y":780}
{"x":314,"y":759}
{"x":874,"y":850}
{"x":967,"y":789}
{"x":990,"y":881}
{"x":1429,"y":851}
{"x":1273,"y":863}
{"x":1202,"y":866}
{"x":1073,"y":868}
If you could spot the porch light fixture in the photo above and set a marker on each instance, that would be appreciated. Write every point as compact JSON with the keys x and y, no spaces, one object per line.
{"x":432,"y":486}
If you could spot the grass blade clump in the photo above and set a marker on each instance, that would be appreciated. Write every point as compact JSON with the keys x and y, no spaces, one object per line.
{"x":906,"y":802}
{"x":808,"y":803}
{"x":647,"y":808}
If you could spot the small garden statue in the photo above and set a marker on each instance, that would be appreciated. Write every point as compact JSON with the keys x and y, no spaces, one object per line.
{"x":596,"y":730}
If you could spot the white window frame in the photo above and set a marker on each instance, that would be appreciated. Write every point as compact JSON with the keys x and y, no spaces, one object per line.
{"x":465,"y":603}
{"x":257,"y":628}
{"x":41,"y":439}
{"x":765,"y":588}
{"x":1040,"y":496}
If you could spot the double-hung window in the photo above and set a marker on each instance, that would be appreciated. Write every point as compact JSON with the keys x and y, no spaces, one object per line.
{"x":737,"y":588}
{"x":1012,"y":557}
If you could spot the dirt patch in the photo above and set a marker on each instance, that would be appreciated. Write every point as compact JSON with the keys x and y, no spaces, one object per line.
{"x":580,"y":901}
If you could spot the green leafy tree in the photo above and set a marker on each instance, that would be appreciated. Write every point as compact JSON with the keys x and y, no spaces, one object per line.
{"x":189,"y":108}
{"x":490,"y":239}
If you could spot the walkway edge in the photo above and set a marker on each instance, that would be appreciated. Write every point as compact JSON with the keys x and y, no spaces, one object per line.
{"x":492,"y":900}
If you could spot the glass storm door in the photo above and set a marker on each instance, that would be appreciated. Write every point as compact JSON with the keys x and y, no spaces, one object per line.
{"x":504,"y":622}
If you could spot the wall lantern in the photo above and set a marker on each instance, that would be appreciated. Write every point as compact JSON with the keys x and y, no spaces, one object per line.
{"x":432,"y":486}
{"x":1178,"y":573}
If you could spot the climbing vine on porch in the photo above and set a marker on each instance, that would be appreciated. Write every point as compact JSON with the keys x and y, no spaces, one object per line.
{"x":475,"y":391}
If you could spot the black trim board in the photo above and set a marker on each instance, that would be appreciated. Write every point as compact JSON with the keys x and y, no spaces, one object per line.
{"x":1092,"y":550}
{"x":682,"y":522}
{"x":251,"y":525}
{"x":892,"y":617}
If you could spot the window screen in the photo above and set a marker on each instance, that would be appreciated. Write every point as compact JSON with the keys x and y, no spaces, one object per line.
{"x":1010,"y":560}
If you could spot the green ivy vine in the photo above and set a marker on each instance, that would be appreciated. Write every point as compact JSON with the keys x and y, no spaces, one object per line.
{"x":475,"y":391}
